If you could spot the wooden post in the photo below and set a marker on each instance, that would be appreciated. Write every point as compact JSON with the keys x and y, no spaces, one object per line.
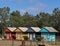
{"x":30,"y":42}
{"x":12,"y":42}
{"x":23,"y":43}
{"x":51,"y":42}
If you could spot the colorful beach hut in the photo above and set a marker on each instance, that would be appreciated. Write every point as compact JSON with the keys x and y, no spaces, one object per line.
{"x":33,"y":32}
{"x":24,"y":34}
{"x":18,"y":33}
{"x":48,"y":33}
{"x":9,"y":33}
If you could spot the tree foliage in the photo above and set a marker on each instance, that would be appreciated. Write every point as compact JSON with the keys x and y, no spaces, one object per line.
{"x":15,"y":19}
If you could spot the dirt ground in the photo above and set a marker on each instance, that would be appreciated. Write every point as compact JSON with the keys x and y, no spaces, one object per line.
{"x":27,"y":43}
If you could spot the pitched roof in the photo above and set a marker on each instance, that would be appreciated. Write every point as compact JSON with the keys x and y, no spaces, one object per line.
{"x":24,"y":29}
{"x":11,"y":28}
{"x":36,"y":29}
{"x":17,"y":30}
{"x":51,"y":29}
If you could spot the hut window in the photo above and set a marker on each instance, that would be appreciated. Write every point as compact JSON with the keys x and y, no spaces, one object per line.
{"x":53,"y":38}
{"x":48,"y":35}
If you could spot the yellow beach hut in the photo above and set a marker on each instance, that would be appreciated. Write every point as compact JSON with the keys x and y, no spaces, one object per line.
{"x":24,"y":33}
{"x":18,"y":34}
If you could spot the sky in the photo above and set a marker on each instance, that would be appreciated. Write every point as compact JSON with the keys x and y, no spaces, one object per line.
{"x":31,"y":6}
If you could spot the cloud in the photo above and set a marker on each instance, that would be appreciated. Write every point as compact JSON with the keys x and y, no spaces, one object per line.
{"x":37,"y":8}
{"x":33,"y":9}
{"x":22,"y":11}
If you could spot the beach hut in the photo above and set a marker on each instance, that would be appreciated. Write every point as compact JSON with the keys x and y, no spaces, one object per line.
{"x":33,"y":32}
{"x":24,"y":34}
{"x":9,"y":33}
{"x":48,"y":33}
{"x":18,"y":33}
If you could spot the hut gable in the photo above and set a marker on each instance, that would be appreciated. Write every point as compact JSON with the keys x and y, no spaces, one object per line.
{"x":44,"y":30}
{"x":11,"y":28}
{"x":36,"y":29}
{"x":17,"y":30}
{"x":33,"y":29}
{"x":30,"y":30}
{"x":23,"y":29}
{"x":6,"y":30}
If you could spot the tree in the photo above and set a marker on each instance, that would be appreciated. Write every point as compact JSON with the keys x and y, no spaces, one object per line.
{"x":4,"y":13}
{"x":27,"y":18}
{"x":4,"y":18}
{"x":44,"y":19}
{"x":15,"y":19}
{"x":56,"y":15}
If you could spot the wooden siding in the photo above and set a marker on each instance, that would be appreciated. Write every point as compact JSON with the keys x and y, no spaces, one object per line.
{"x":18,"y":36}
{"x":24,"y":35}
{"x":50,"y":37}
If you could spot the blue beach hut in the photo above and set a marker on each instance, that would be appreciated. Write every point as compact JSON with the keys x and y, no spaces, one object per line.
{"x":48,"y":33}
{"x":33,"y":32}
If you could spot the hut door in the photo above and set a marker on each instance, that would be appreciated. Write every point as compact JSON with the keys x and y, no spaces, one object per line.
{"x":33,"y":36}
{"x":8,"y":36}
{"x":44,"y":37}
{"x":13,"y":35}
{"x":18,"y":36}
{"x":48,"y":37}
{"x":30,"y":36}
